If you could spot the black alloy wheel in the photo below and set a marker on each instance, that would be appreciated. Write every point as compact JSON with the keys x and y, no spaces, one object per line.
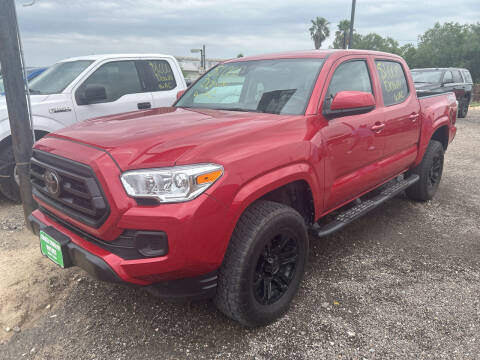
{"x":275,"y":268}
{"x":435,"y":171}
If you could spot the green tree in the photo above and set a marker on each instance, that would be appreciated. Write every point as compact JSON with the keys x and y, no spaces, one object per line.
{"x":319,"y":31}
{"x":409,"y":53}
{"x":376,"y":42}
{"x":240,"y":55}
{"x":450,"y":45}
{"x":341,"y":35}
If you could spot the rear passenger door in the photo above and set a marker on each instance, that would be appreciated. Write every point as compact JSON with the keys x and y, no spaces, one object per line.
{"x":164,"y":80}
{"x":125,"y":90}
{"x":401,"y":112}
{"x":458,"y":84}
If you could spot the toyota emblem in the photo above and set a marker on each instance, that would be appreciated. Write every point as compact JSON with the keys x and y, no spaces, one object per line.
{"x":52,"y":182}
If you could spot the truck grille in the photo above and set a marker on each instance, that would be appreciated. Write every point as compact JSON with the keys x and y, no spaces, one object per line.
{"x":69,"y":187}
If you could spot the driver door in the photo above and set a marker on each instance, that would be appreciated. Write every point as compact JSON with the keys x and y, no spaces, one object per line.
{"x":124,"y":89}
{"x":354,"y":143}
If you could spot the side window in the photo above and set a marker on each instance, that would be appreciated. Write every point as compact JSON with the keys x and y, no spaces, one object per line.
{"x":393,"y":82}
{"x":447,"y":77}
{"x":163,"y":78}
{"x":119,"y":78}
{"x":467,"y":76}
{"x":350,"y":76}
{"x":457,"y":77}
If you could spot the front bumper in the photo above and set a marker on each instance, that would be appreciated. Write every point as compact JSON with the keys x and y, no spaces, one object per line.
{"x":198,"y":287}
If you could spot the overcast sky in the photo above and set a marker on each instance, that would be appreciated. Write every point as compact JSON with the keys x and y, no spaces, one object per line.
{"x":55,"y":29}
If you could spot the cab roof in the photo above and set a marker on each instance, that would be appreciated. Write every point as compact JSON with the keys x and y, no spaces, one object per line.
{"x":313,"y":54}
{"x":116,"y":56}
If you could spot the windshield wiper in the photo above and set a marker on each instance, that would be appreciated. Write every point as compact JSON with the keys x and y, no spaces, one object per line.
{"x":33,"y":91}
{"x":239,"y":109}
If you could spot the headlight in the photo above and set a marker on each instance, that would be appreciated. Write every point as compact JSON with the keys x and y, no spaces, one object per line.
{"x":170,"y":185}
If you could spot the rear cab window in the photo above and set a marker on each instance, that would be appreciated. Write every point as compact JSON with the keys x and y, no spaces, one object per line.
{"x":393,"y":82}
{"x":162,"y":76}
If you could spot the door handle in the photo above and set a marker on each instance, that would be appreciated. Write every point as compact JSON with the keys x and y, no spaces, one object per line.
{"x":144,"y":105}
{"x":413,"y":117}
{"x":378,"y":126}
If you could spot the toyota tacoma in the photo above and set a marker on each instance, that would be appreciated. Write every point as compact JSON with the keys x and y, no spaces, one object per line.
{"x":218,"y":195}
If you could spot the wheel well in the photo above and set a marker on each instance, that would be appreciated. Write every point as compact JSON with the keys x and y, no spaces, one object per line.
{"x":441,"y":134}
{"x":8,"y":140}
{"x":296,"y":195}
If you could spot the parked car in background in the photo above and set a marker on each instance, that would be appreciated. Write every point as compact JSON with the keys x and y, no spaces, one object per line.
{"x":80,"y":88}
{"x":215,"y":196}
{"x":31,"y":73}
{"x":440,"y":80}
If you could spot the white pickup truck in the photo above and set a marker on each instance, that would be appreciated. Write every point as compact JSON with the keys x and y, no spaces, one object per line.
{"x":85,"y":87}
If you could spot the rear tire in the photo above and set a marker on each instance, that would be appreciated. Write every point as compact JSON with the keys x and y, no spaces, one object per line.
{"x":463,"y":110}
{"x":8,"y":185}
{"x":263,"y":265}
{"x":430,"y":171}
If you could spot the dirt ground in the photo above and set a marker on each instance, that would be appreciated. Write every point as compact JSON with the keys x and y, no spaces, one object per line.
{"x":402,"y":282}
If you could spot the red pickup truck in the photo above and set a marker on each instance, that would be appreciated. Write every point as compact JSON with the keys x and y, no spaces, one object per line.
{"x":216,"y":196}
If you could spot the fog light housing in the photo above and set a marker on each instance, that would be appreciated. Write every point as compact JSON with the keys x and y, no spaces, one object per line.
{"x":151,"y":243}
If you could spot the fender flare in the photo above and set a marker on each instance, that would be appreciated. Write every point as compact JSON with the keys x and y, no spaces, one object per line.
{"x":271,"y":180}
{"x":427,"y":136}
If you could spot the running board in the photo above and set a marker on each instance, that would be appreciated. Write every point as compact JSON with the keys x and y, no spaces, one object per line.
{"x":346,"y":217}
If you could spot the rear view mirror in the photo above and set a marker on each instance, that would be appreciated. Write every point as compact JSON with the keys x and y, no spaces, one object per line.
{"x":95,"y":93}
{"x":350,"y":103}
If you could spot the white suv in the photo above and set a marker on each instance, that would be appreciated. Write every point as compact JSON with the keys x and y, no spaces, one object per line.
{"x":85,"y":87}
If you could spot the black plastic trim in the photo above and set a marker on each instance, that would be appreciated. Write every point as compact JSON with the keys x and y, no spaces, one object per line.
{"x":199,"y":287}
{"x":124,"y":246}
{"x":78,"y":256}
{"x":81,"y":173}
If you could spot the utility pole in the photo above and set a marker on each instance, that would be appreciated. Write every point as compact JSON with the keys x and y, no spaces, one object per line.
{"x":203,"y":62}
{"x":15,"y":91}
{"x":352,"y":18}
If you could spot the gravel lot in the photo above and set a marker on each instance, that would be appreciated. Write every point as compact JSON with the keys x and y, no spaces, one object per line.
{"x":402,"y":282}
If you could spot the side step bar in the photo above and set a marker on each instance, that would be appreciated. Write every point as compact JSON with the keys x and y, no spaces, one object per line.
{"x":389,"y":190}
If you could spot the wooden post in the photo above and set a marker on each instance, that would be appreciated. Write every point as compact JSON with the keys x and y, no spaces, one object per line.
{"x":17,"y":102}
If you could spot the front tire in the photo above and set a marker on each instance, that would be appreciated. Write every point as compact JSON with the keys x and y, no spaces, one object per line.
{"x":430,"y":171}
{"x":8,"y":185}
{"x":263,"y":265}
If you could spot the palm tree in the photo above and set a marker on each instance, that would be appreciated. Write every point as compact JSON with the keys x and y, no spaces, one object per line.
{"x":319,"y":31}
{"x":343,"y":32}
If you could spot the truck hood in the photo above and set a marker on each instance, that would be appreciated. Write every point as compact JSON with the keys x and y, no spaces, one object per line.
{"x":168,"y":136}
{"x":34,"y":99}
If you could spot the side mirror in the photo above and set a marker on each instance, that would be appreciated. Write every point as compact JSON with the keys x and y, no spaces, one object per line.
{"x":94,"y":94}
{"x":180,"y":93}
{"x":350,"y":103}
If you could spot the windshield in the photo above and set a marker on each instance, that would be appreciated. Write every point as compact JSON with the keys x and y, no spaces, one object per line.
{"x":430,"y":76}
{"x":2,"y":90}
{"x":281,"y":86}
{"x":56,"y":78}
